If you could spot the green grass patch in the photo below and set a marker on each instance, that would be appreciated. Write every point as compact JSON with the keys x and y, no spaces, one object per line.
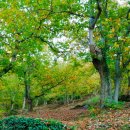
{"x":92,"y":101}
{"x":114,"y":105}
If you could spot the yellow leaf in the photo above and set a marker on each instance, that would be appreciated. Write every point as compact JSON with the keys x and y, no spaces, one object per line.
{"x":110,"y":35}
{"x":127,"y":49}
{"x":116,"y":45}
{"x":113,"y":30}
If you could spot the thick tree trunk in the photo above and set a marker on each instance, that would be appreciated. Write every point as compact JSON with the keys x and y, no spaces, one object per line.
{"x":100,"y":63}
{"x":117,"y":79}
{"x":103,"y":91}
{"x":103,"y":70}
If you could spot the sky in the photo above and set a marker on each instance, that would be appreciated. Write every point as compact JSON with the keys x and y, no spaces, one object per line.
{"x":121,"y":1}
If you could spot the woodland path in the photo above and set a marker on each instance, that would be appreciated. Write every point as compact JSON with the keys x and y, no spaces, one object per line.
{"x":106,"y":120}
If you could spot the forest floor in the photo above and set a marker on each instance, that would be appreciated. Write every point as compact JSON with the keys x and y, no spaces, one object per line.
{"x":85,"y":119}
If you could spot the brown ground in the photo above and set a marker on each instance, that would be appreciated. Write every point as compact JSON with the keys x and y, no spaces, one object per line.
{"x":105,"y":120}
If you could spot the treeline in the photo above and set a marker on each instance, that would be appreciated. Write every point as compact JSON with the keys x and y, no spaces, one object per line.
{"x":35,"y":34}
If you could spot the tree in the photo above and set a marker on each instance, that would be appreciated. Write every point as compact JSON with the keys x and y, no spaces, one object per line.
{"x":99,"y":57}
{"x":31,"y":25}
{"x":105,"y":38}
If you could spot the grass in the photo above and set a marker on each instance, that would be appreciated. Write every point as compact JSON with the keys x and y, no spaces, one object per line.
{"x":92,"y":101}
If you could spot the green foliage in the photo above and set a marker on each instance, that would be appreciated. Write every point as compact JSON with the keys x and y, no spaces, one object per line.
{"x":22,"y":123}
{"x":92,"y":112}
{"x":125,"y":127}
{"x":91,"y":105}
{"x":29,"y":28}
{"x":114,"y":105}
{"x":11,"y":94}
{"x":92,"y":101}
{"x":2,"y":112}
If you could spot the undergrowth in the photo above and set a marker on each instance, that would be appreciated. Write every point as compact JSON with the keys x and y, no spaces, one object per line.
{"x":22,"y":123}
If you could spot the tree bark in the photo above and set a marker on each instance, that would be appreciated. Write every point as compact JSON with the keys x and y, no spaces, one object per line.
{"x":117,"y":79}
{"x":129,"y":82}
{"x":99,"y":61}
{"x":99,"y":57}
{"x":37,"y":102}
{"x":24,"y":103}
{"x":28,"y":100}
{"x":103,"y":71}
{"x":12,"y":105}
{"x":7,"y":68}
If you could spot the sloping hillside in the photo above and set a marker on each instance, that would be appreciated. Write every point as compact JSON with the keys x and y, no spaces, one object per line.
{"x":85,"y":119}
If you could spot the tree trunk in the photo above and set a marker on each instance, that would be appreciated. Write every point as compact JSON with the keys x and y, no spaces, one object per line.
{"x":104,"y":92}
{"x":45,"y":102}
{"x":12,"y":105}
{"x":37,"y":102}
{"x":103,"y":95}
{"x":30,"y":104}
{"x":129,"y":82}
{"x":100,"y":63}
{"x":72,"y":97}
{"x":24,"y":103}
{"x":65,"y":99}
{"x":117,"y":79}
{"x":27,"y":93}
{"x":103,"y":70}
{"x":128,"y":79}
{"x":28,"y":98}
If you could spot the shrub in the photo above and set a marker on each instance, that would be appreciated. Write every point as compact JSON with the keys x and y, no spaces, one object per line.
{"x":92,"y":101}
{"x":114,"y":105}
{"x":22,"y":123}
{"x":2,"y":112}
{"x":126,"y":127}
{"x":94,"y":111}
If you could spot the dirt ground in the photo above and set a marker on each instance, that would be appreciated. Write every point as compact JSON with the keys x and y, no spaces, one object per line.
{"x":80,"y":117}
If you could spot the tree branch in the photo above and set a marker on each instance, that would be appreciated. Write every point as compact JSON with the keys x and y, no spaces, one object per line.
{"x":127,"y":16}
{"x":42,"y":94}
{"x":48,"y":43}
{"x":7,"y":68}
{"x":64,"y":11}
{"x":126,"y":63}
{"x":105,"y":8}
{"x":91,"y":26}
